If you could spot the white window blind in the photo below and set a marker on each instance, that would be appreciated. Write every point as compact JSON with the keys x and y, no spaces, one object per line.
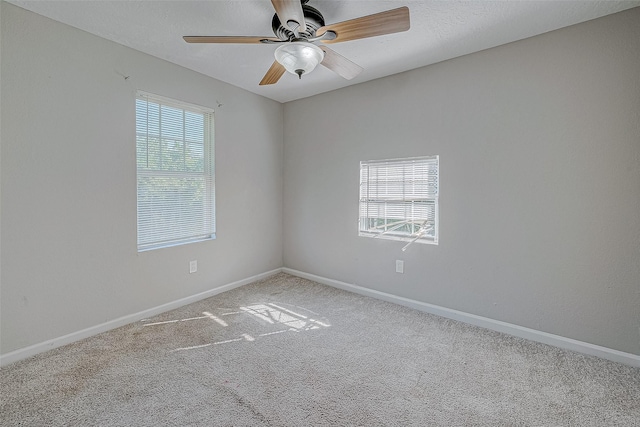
{"x":399,"y":199}
{"x":175,"y":169}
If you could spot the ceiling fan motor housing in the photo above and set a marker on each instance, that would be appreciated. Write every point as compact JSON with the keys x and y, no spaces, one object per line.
{"x":313,"y":20}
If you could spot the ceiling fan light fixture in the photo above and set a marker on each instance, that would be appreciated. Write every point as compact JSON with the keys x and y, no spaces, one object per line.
{"x":299,"y":57}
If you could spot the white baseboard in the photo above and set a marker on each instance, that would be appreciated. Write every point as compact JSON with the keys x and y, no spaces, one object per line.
{"x":483,"y":322}
{"x":32,"y":350}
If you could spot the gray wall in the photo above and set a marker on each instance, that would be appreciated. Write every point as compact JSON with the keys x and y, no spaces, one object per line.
{"x":539,"y":145}
{"x":540,"y":178}
{"x":69,"y":258}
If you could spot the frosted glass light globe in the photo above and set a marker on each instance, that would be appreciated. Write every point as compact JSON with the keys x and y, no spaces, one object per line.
{"x":299,"y":57}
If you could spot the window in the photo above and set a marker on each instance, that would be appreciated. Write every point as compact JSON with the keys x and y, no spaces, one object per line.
{"x":399,"y":199}
{"x":174,"y":154}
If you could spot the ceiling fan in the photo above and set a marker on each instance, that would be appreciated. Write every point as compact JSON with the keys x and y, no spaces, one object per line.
{"x":300,"y":29}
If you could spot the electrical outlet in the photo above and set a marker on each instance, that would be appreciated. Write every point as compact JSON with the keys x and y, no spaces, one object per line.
{"x":193,"y":266}
{"x":399,"y":266}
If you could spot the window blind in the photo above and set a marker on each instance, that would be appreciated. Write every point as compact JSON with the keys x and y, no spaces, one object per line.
{"x":175,"y":172}
{"x":399,"y":199}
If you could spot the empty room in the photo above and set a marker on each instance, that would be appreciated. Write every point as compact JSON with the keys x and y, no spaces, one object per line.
{"x":319,"y":213}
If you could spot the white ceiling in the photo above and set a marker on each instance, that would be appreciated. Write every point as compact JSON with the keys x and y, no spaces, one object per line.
{"x":440,"y":30}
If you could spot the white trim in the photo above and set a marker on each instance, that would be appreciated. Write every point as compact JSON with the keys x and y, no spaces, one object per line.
{"x":32,"y":350}
{"x":483,"y":322}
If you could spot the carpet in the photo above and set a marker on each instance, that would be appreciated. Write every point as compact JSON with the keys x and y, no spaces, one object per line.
{"x":286,"y":351}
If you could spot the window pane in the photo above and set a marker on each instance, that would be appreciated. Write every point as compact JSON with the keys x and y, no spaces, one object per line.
{"x":172,"y":155}
{"x":153,"y":148}
{"x":194,"y":157}
{"x":172,"y":122}
{"x":141,"y":152}
{"x":194,"y":127}
{"x":153,"y":119}
{"x":183,"y":208}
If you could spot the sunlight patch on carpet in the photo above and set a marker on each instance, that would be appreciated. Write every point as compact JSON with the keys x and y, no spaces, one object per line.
{"x":267,"y":315}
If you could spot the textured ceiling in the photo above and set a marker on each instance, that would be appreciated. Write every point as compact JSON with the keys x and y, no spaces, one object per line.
{"x":440,"y":30}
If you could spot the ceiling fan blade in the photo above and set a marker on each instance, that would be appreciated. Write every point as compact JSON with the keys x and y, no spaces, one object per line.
{"x":339,"y":64}
{"x":273,"y":74}
{"x":389,"y":22}
{"x":290,"y":10}
{"x":228,"y":39}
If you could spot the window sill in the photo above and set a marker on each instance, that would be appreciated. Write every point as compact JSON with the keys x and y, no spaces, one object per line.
{"x":426,"y":241}
{"x":171,"y":245}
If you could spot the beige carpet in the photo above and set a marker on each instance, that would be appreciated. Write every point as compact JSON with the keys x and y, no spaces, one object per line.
{"x":289,"y":352}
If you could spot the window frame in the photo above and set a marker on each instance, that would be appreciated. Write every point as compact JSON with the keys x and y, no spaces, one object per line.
{"x":365,"y":219}
{"x":207,"y":174}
